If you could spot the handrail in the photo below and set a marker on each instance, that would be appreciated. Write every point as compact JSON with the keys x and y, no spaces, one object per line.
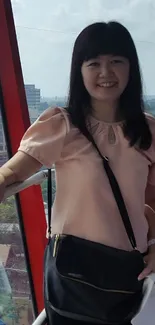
{"x":41,"y":319}
{"x":33,"y":180}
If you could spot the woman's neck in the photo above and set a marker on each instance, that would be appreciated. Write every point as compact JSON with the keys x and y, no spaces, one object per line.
{"x":105,"y":110}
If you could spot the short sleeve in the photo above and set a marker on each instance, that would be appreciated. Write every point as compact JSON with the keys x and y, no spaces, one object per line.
{"x":45,"y":137}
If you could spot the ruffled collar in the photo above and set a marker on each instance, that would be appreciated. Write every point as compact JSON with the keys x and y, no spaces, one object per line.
{"x":93,"y":120}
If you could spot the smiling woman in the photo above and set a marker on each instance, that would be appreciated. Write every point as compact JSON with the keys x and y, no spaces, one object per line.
{"x":98,"y":217}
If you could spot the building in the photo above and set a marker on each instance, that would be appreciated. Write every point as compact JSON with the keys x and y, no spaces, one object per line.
{"x":43,"y":106}
{"x":33,"y":102}
{"x":33,"y":97}
{"x":33,"y":113}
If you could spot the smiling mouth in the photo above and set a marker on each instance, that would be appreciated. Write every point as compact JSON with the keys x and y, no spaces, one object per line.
{"x":109,"y":84}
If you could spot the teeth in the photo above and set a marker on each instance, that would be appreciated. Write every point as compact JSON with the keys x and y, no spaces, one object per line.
{"x":107,"y":84}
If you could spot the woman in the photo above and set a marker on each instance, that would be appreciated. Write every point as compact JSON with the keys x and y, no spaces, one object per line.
{"x":105,"y":100}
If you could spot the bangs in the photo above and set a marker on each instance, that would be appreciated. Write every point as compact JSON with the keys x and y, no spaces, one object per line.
{"x":104,"y":39}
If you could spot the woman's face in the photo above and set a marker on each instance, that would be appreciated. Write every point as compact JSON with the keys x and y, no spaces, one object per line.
{"x":106,"y":77}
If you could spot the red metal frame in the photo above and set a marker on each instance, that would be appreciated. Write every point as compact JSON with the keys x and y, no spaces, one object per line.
{"x":17,"y":116}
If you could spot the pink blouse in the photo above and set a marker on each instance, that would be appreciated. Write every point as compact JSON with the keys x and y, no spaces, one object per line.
{"x":84,"y":205}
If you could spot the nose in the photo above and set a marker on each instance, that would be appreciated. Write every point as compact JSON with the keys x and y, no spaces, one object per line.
{"x":105,"y":70}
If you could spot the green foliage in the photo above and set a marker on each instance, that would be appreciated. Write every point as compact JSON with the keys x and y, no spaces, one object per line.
{"x":8,"y":211}
{"x":44,"y":190}
{"x":8,"y":309}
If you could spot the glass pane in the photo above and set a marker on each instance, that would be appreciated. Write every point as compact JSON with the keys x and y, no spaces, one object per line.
{"x":15,"y":296}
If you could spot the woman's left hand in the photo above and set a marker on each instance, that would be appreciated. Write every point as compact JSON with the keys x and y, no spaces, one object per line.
{"x":150,"y":266}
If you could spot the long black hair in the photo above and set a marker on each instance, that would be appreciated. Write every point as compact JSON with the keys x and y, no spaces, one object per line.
{"x":109,"y":38}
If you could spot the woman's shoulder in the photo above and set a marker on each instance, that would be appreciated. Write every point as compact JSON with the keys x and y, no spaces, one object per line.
{"x":58,"y":114}
{"x":44,"y":139}
{"x":151,"y":120}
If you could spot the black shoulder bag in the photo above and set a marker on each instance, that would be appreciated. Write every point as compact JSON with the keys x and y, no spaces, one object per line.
{"x":89,"y":281}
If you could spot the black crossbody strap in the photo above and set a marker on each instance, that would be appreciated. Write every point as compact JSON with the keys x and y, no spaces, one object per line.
{"x":117,"y":194}
{"x":49,"y":200}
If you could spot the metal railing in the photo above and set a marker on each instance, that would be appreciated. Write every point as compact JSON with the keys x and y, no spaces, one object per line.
{"x":36,"y":179}
{"x":41,"y":319}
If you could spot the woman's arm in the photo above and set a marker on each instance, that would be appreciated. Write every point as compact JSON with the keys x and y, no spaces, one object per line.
{"x":18,"y":168}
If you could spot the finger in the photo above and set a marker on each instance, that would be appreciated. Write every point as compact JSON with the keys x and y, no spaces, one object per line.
{"x":145,"y":272}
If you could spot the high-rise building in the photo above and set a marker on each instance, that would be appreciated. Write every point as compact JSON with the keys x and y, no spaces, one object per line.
{"x":33,"y":113}
{"x":32,"y":96}
{"x":33,"y":102}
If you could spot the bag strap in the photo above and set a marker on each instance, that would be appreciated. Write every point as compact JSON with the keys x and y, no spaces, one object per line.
{"x":117,"y":193}
{"x":115,"y":189}
{"x":49,"y":200}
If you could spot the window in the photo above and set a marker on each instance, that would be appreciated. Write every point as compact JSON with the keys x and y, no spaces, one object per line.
{"x":15,"y":295}
{"x":20,"y":254}
{"x":46,"y":31}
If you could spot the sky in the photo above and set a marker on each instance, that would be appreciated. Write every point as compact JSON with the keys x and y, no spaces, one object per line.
{"x":46,"y":32}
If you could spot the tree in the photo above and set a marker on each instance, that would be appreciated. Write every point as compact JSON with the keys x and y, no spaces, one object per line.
{"x":8,"y":212}
{"x":8,"y":309}
{"x":44,"y":190}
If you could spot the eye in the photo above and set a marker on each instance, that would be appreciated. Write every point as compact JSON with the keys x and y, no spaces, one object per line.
{"x":93,"y":64}
{"x":117,"y":61}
